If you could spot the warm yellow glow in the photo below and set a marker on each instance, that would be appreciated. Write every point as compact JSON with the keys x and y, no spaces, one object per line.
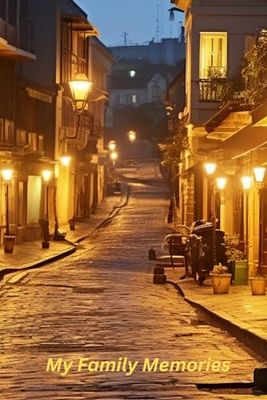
{"x":246,"y":182}
{"x":213,"y":54}
{"x":46,"y":174}
{"x":112,"y":145}
{"x":114,"y":156}
{"x":210,"y":168}
{"x":7,"y":174}
{"x":80,"y":87}
{"x":221,"y":183}
{"x":259,"y":173}
{"x":132,"y":136}
{"x":65,"y":160}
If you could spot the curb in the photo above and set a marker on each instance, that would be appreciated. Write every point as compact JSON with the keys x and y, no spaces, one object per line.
{"x":69,"y":251}
{"x":250,"y":339}
{"x":37,"y":264}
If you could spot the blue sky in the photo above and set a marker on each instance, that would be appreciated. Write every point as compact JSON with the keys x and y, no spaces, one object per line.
{"x":138,"y":18}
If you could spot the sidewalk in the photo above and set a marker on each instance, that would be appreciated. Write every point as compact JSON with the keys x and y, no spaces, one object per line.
{"x":30,"y":254}
{"x":239,"y":312}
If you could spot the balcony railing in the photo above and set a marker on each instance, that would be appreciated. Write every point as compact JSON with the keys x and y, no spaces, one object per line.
{"x":213,"y":89}
{"x":21,"y":37}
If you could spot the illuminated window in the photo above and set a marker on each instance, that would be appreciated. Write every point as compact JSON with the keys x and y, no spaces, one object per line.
{"x":132,"y":73}
{"x":213,"y":54}
{"x":33,"y":141}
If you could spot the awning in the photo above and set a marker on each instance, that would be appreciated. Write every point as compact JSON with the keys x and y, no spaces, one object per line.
{"x":247,"y":139}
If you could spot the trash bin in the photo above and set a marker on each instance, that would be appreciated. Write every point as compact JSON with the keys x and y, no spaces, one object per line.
{"x":240,"y":272}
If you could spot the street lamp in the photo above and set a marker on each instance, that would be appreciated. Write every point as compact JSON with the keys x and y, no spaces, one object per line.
{"x":114,"y":156}
{"x":65,"y":161}
{"x":112,"y":145}
{"x":132,"y":136}
{"x":46,"y":174}
{"x":210,"y":168}
{"x":259,"y":173}
{"x":80,"y":87}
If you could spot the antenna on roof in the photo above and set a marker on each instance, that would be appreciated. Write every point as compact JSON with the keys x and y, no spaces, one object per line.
{"x":125,"y":35}
{"x":157,"y":29}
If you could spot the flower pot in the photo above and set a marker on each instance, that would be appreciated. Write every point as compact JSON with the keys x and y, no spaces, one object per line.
{"x":9,"y":242}
{"x":258,"y":285}
{"x":221,"y":283}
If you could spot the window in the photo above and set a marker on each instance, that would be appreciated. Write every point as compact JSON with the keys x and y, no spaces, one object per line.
{"x":33,"y":141}
{"x":131,"y":99}
{"x":21,"y":137}
{"x":213,"y":54}
{"x":134,"y":99}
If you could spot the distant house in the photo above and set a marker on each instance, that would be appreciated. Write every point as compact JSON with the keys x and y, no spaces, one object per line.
{"x":138,"y":87}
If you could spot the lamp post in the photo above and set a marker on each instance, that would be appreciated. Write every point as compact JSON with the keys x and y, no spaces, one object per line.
{"x":9,"y":240}
{"x":259,"y":173}
{"x":65,"y":161}
{"x":246,"y":184}
{"x":210,"y":168}
{"x":7,"y":175}
{"x":80,"y":87}
{"x":221,"y":184}
{"x":46,"y":174}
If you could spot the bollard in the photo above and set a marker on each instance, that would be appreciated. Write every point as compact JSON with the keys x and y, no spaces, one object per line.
{"x":159,"y":277}
{"x":152,"y":254}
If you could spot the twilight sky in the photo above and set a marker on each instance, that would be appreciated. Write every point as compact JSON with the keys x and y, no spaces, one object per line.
{"x":138,"y":18}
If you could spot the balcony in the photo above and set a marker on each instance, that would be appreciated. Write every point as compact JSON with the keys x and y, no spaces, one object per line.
{"x":213,"y":90}
{"x":17,"y":41}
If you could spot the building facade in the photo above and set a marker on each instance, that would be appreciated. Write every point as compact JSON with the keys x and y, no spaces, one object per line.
{"x":218,"y":36}
{"x":38,"y":124}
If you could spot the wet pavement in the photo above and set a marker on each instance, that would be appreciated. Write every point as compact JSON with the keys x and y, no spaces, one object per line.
{"x":99,"y":304}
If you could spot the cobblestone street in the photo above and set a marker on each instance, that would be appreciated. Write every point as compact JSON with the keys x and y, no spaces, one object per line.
{"x":100,"y":304}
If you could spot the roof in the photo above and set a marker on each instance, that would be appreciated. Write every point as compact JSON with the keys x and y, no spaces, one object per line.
{"x":80,"y":23}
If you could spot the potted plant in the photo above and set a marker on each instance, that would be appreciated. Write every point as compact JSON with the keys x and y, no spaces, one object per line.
{"x":221,"y":279}
{"x":236,"y":258}
{"x":258,"y":285}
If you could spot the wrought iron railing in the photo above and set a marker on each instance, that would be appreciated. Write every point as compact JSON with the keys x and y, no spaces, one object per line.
{"x":213,"y":89}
